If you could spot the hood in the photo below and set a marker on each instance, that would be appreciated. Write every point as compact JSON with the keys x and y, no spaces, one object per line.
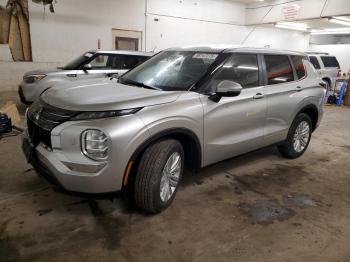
{"x":41,"y":72}
{"x":103,"y":95}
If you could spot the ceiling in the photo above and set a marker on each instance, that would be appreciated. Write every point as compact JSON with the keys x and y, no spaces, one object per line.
{"x":246,"y":1}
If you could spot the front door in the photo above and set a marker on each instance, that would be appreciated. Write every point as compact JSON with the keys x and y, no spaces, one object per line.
{"x":235,"y":125}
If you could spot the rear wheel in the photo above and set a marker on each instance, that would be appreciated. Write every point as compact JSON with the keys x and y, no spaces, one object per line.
{"x":298,"y":139}
{"x":158,"y":175}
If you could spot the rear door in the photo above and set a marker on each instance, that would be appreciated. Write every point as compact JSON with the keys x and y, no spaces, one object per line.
{"x":235,"y":125}
{"x":283,"y":91}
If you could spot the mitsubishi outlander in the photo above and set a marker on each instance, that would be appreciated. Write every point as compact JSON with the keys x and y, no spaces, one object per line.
{"x":182,"y":108}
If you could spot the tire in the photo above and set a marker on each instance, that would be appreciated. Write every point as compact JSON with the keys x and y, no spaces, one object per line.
{"x":291,"y":150}
{"x":148,"y":194}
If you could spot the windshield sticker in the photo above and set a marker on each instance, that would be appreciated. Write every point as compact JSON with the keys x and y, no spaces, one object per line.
{"x":205,"y":56}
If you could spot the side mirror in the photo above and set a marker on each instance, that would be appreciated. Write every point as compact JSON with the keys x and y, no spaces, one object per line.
{"x":226,"y":88}
{"x":87,"y":67}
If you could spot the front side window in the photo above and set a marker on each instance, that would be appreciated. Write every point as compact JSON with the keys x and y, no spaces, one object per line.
{"x":100,"y":62}
{"x":299,"y":66}
{"x":314,"y":62}
{"x":279,"y":69}
{"x":171,"y":70}
{"x":240,"y":68}
{"x":330,"y":61}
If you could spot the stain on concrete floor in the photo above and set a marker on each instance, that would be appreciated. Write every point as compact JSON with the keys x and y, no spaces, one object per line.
{"x":266,"y":211}
{"x":299,"y":200}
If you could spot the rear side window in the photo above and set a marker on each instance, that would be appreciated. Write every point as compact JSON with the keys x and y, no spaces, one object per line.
{"x":314,"y":62}
{"x":330,"y":61}
{"x":126,"y":62}
{"x":239,"y":68}
{"x":279,"y":69}
{"x":299,"y":66}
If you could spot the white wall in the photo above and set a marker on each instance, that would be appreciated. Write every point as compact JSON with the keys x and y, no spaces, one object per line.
{"x":255,"y":12}
{"x":279,"y":39}
{"x":188,"y":22}
{"x":169,"y":31}
{"x":340,"y":51}
{"x":77,"y":25}
{"x":221,"y":11}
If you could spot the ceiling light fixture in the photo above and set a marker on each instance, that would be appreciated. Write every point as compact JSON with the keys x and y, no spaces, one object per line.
{"x":331,"y":31}
{"x":292,"y":26}
{"x":339,"y":21}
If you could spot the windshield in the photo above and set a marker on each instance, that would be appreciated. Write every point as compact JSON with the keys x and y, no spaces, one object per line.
{"x":171,"y":70}
{"x":73,"y":65}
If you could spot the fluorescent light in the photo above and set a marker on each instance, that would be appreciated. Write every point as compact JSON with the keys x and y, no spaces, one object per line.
{"x":331,"y":31}
{"x":339,"y":21}
{"x":344,"y":18}
{"x":326,"y":32}
{"x":292,"y":26}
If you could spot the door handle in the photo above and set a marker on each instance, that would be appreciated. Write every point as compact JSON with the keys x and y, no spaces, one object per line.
{"x":258,"y":96}
{"x":298,"y":89}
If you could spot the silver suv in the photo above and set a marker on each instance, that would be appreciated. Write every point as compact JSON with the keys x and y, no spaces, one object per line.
{"x":184,"y":107}
{"x":92,"y":64}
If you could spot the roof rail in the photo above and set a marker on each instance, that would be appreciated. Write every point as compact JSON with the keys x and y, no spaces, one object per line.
{"x":317,"y":53}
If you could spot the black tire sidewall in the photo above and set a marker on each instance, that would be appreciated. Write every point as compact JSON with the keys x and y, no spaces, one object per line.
{"x":157,"y":202}
{"x":290,"y":141}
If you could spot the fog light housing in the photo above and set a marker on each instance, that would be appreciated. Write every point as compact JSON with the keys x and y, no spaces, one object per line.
{"x":94,"y":144}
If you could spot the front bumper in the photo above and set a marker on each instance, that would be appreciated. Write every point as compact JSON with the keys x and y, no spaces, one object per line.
{"x":64,"y":165}
{"x":33,"y":157}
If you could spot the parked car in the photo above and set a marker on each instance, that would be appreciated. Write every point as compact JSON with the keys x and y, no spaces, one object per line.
{"x":92,"y":64}
{"x":184,"y":107}
{"x":327,"y":66}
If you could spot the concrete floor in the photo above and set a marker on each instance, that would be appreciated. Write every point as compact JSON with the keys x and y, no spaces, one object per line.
{"x":257,"y":207}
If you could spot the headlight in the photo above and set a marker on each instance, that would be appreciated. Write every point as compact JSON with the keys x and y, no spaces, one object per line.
{"x":105,"y":114}
{"x":94,"y":144}
{"x":32,"y":78}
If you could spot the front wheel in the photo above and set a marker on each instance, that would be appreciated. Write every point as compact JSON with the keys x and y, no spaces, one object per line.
{"x":158,"y":175}
{"x":298,"y":139}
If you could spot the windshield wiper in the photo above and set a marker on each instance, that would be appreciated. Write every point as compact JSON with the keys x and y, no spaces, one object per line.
{"x":127,"y":81}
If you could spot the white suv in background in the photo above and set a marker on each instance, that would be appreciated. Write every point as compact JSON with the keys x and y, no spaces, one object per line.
{"x":327,"y":66}
{"x":92,"y":64}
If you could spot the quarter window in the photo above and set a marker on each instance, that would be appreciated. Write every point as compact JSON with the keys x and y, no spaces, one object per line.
{"x":239,"y":68}
{"x":279,"y":69}
{"x":299,"y":66}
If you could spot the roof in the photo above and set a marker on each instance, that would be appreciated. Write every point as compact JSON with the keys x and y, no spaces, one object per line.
{"x":122,"y":52}
{"x":235,"y":48}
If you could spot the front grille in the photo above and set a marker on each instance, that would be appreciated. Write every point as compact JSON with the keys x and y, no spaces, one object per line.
{"x":42,"y":118}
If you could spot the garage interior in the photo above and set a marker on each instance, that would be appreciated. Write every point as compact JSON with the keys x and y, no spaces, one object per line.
{"x":254,"y":207}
